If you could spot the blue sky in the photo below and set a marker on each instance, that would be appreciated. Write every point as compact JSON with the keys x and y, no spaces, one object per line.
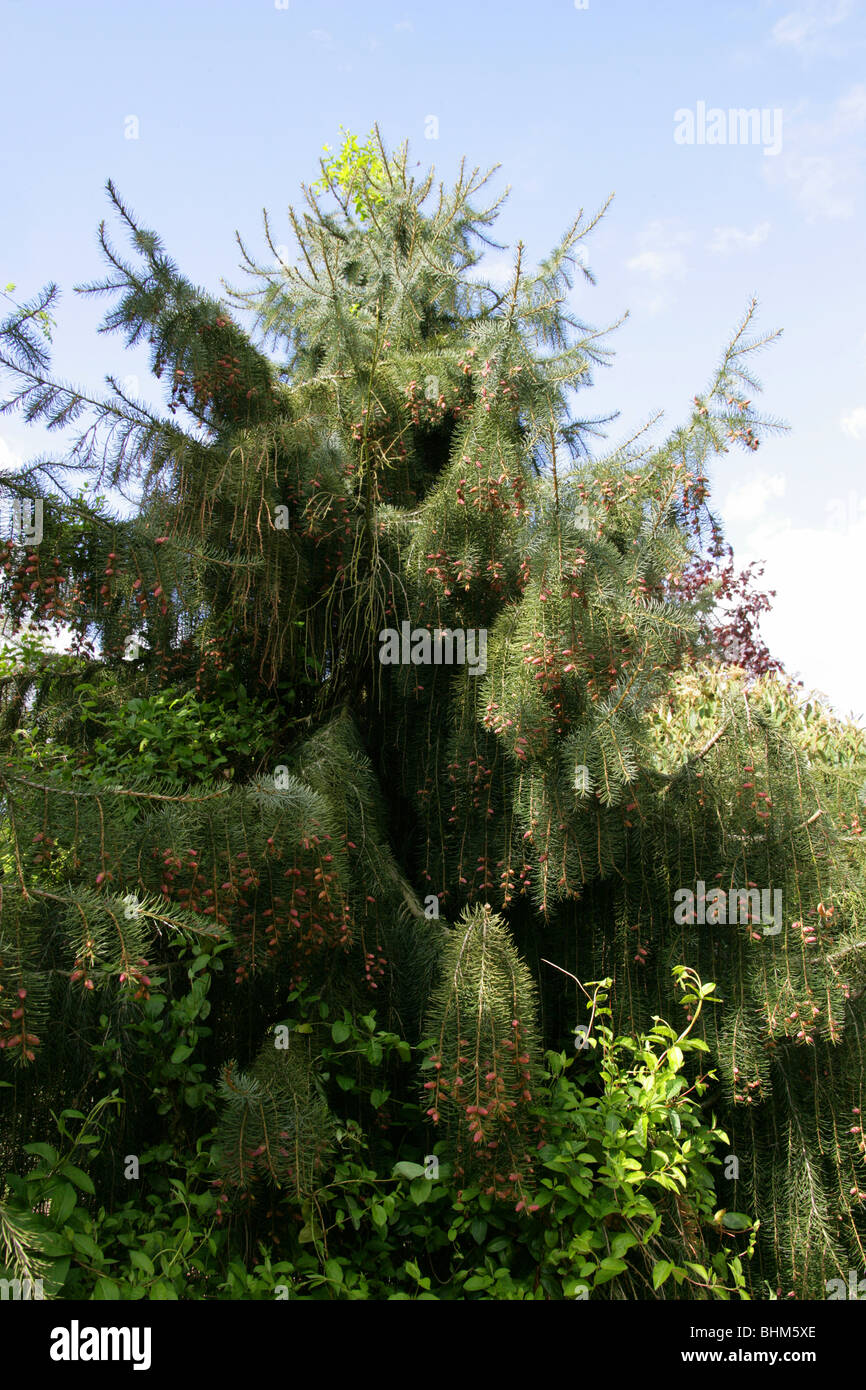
{"x":229,"y":102}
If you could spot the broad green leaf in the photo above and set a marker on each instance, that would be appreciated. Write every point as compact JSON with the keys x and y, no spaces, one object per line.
{"x":63,"y":1200}
{"x":622,"y":1241}
{"x":405,"y":1169}
{"x":42,"y":1151}
{"x":661,"y":1271}
{"x":80,"y":1179}
{"x":420,"y":1190}
{"x":107,"y":1290}
{"x":736,"y":1221}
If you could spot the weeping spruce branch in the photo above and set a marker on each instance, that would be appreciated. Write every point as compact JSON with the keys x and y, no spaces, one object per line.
{"x":485,"y":1058}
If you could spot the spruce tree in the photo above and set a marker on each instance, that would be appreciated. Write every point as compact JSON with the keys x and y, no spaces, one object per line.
{"x":387,"y":461}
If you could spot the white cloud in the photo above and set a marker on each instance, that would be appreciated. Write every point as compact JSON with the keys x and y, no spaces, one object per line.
{"x":821,"y":183}
{"x":8,"y":461}
{"x":817,"y":575}
{"x":321,"y":36}
{"x":656,"y":264}
{"x":805,"y":29}
{"x":816,"y":572}
{"x":851,"y":110}
{"x":728,"y":239}
{"x":660,"y":257}
{"x":749,"y":501}
{"x":655,"y":303}
{"x":404,"y":27}
{"x":496,"y":268}
{"x":823,"y":160}
{"x":854,"y":424}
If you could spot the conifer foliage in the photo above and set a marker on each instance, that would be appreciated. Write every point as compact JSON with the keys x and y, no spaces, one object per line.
{"x":369,"y":438}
